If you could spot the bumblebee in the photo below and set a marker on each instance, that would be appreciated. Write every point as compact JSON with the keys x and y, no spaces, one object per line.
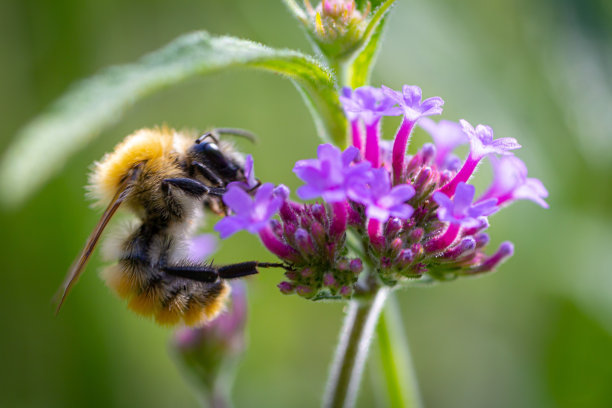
{"x":166,"y":179}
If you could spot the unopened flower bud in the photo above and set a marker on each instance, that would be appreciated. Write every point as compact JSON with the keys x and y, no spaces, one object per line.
{"x":482,"y":239}
{"x":318,"y":212}
{"x":396,"y":245}
{"x":304,"y":291}
{"x":318,"y":233}
{"x":304,"y":242}
{"x":428,"y":152}
{"x":277,"y":228}
{"x":394,"y":225}
{"x":286,"y":288}
{"x":288,"y":213}
{"x":416,"y":234}
{"x":345,"y":291}
{"x":328,"y":279}
{"x":464,"y":247}
{"x":405,"y":258}
{"x":423,"y":179}
{"x":306,"y":272}
{"x":356,"y":265}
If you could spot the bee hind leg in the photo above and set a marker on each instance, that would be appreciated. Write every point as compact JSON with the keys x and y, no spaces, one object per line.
{"x":206,"y":274}
{"x":239,"y":270}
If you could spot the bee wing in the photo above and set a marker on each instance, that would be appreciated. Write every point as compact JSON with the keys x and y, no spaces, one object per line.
{"x":79,"y":264}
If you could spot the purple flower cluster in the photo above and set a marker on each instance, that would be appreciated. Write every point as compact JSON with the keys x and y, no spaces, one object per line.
{"x":409,"y":217}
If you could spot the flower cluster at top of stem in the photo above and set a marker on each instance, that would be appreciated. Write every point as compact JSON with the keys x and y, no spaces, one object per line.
{"x":336,"y":26}
{"x":408,"y":218}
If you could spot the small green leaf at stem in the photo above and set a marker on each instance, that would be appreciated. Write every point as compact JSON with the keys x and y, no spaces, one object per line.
{"x":361,"y":66}
{"x":90,"y":106}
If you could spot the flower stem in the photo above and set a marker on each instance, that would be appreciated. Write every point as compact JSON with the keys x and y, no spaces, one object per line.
{"x":400,"y":379}
{"x":352,"y":349}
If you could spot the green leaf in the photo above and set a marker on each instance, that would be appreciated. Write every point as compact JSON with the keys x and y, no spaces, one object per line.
{"x":360,"y":69}
{"x":92,"y":105}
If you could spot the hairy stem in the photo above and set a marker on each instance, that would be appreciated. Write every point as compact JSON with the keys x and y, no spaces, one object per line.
{"x":352,"y":350}
{"x":400,"y":378}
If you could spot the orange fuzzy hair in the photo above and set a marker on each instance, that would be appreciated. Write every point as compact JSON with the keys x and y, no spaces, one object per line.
{"x":152,"y":146}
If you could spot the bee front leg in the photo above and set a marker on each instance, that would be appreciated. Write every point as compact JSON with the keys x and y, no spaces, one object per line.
{"x":192,"y":187}
{"x":207,"y":173}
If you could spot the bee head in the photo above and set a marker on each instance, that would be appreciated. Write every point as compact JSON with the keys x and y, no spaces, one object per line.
{"x":208,"y":151}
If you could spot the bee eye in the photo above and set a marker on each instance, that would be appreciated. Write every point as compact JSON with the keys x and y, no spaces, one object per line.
{"x":210,"y":154}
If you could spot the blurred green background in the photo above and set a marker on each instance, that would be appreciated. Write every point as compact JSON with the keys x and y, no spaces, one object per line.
{"x":536,"y":334}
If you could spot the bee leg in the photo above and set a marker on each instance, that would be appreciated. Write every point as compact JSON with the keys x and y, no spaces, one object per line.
{"x":255,"y":187}
{"x":192,"y":187}
{"x":239,"y":270}
{"x":205,"y":274}
{"x":207,"y":173}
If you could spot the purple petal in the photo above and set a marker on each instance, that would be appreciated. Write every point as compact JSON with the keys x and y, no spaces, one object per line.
{"x":484,"y":208}
{"x":443,"y":201}
{"x":533,"y":190}
{"x":237,"y":200}
{"x":464,"y":194}
{"x":403,"y":211}
{"x":349,"y":155}
{"x":402,"y":193}
{"x":263,"y":195}
{"x":202,"y":246}
{"x":377,"y":213}
{"x":229,"y":226}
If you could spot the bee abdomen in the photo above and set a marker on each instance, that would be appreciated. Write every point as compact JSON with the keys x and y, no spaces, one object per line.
{"x":152,"y":293}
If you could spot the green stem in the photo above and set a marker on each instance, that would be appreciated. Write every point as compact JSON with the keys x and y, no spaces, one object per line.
{"x":398,"y":372}
{"x":352,"y":349}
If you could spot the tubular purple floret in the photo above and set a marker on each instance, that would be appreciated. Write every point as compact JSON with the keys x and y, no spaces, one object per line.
{"x":339,"y":219}
{"x":375,"y":234}
{"x":400,"y":145}
{"x":462,"y":176}
{"x":372,"y":147}
{"x":464,"y":247}
{"x":276,"y":246}
{"x":356,"y":136}
{"x":481,"y":225}
{"x":505,"y":250}
{"x":445,"y":240}
{"x":318,"y":233}
{"x":482,"y":239}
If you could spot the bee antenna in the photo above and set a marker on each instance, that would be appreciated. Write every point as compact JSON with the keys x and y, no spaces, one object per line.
{"x":236,"y":132}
